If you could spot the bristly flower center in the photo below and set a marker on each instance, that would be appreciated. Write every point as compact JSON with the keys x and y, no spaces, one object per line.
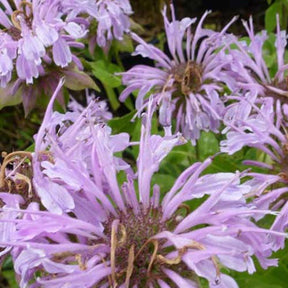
{"x":188,"y":77}
{"x":20,"y":180}
{"x":136,"y":257}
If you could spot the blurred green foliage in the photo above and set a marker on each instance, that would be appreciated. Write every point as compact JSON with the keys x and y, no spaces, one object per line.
{"x":278,"y":7}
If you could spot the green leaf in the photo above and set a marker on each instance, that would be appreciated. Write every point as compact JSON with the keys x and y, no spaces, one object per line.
{"x":207,"y":145}
{"x":9,"y":99}
{"x":270,"y":16}
{"x":125,"y":45}
{"x":123,"y":124}
{"x":31,"y":148}
{"x":78,"y":80}
{"x":113,"y":99}
{"x":164,"y":181}
{"x":9,"y":275}
{"x":104,"y":71}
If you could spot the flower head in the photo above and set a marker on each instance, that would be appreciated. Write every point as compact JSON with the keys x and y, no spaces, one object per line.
{"x":255,"y":80}
{"x":190,"y":82}
{"x":35,"y":32}
{"x":111,"y":16}
{"x":263,"y":126}
{"x":113,"y":20}
{"x":94,"y":231}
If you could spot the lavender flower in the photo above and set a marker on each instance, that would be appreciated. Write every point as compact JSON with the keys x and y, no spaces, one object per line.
{"x":258,"y":115}
{"x":95,"y":232}
{"x":112,"y":19}
{"x":263,"y":128}
{"x":254,"y":79}
{"x":34,"y":32}
{"x":190,"y":84}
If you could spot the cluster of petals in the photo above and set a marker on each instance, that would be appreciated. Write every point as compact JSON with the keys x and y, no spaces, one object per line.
{"x":251,"y":71}
{"x":259,"y":108}
{"x":89,"y":219}
{"x":189,"y":83}
{"x":257,"y":117}
{"x":86,"y":229}
{"x":112,"y":18}
{"x":35,"y":34}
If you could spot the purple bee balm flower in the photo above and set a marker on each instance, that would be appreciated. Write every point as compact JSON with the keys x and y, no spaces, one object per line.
{"x":189,"y":83}
{"x":263,"y":128}
{"x":34,"y":32}
{"x":101,"y":112}
{"x":16,"y":190}
{"x":126,"y":235}
{"x":112,"y":18}
{"x":253,"y":77}
{"x":75,"y":138}
{"x":8,"y":201}
{"x":258,"y":116}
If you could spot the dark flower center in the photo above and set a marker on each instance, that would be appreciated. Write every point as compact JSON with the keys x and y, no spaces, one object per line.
{"x":136,"y":257}
{"x":21,"y":180}
{"x":188,"y":77}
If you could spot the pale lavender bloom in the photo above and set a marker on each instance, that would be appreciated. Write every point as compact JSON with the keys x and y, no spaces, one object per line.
{"x":264,"y":128}
{"x":6,"y":215}
{"x":258,"y":118}
{"x":112,"y":18}
{"x":258,"y":114}
{"x":190,"y":83}
{"x":126,"y":235}
{"x":16,"y":191}
{"x":101,"y":110}
{"x":257,"y":128}
{"x":76,"y":140}
{"x":254,"y":79}
{"x":29,"y":32}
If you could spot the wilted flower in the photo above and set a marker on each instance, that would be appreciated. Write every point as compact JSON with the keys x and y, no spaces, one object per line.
{"x":34,"y":32}
{"x":190,"y":83}
{"x":95,"y":232}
